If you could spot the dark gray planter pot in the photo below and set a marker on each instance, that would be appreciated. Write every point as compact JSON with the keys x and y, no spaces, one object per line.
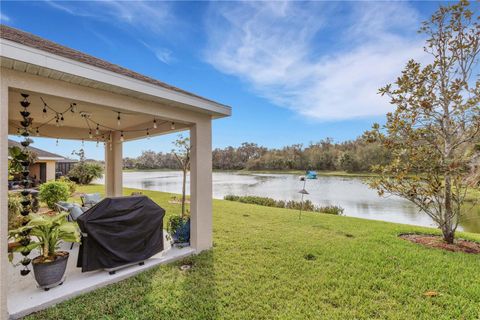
{"x":50,"y":274}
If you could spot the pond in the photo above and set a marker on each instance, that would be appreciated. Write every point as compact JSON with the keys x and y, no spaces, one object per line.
{"x":351,"y":193}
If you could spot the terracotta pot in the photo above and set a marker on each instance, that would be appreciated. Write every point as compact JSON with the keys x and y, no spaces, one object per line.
{"x":50,"y":274}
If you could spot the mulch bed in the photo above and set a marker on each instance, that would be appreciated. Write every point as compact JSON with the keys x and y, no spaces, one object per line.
{"x":433,"y":241}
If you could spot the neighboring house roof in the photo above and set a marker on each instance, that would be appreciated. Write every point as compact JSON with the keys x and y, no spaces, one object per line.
{"x":41,"y":154}
{"x":36,"y":42}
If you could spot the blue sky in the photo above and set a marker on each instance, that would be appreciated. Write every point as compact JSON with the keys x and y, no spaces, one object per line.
{"x":294,"y":72}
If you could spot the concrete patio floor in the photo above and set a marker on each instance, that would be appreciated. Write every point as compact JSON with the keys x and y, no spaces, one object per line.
{"x":24,"y":297}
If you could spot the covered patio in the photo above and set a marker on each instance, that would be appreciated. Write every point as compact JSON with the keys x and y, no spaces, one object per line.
{"x":89,"y":99}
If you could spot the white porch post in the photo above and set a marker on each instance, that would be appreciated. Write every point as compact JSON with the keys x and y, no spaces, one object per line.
{"x":201,"y":185}
{"x":114,"y":166}
{"x":3,"y":196}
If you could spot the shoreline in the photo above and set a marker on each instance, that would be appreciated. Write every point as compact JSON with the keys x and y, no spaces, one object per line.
{"x":292,"y":172}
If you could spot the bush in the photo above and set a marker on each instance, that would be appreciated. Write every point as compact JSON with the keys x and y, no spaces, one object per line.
{"x":72,"y":186}
{"x":14,"y":208}
{"x":307,"y":205}
{"x":84,"y":172}
{"x":336,"y":210}
{"x":53,"y":192}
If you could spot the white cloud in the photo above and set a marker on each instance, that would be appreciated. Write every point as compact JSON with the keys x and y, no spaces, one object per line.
{"x":4,"y":18}
{"x":143,"y":17}
{"x":162,"y":54}
{"x":284,"y":52}
{"x":147,"y":15}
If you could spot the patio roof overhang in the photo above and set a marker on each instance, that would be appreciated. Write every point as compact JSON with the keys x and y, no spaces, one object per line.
{"x":62,"y":76}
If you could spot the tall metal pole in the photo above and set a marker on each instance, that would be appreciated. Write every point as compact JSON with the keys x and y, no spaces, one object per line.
{"x":303,"y":191}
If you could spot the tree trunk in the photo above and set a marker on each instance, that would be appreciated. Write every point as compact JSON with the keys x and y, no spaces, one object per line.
{"x":448,"y":235}
{"x":183,"y":191}
{"x":447,"y":228}
{"x":46,"y":251}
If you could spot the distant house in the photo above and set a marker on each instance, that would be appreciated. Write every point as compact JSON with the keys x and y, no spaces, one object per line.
{"x":48,"y":165}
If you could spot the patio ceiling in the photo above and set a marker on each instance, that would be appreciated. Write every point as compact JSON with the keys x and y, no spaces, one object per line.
{"x":134,"y":125}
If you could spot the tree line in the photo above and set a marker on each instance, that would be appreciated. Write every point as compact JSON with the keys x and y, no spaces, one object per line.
{"x":351,"y":156}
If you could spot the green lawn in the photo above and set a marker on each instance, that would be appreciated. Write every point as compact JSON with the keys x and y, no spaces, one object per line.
{"x":257,"y":270}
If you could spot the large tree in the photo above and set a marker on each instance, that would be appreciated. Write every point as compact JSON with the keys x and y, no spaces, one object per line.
{"x":432,"y":132}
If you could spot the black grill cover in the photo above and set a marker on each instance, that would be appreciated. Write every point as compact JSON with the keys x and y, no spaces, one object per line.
{"x":120,"y":230}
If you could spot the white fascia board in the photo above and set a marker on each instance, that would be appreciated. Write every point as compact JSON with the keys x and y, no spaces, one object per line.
{"x":19,"y":52}
{"x":50,"y":158}
{"x":44,"y":158}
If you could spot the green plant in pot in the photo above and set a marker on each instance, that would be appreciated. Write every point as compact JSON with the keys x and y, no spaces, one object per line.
{"x":46,"y":234}
{"x":179,"y":228}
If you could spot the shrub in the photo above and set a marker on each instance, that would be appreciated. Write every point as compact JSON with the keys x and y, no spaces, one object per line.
{"x":53,"y":192}
{"x":261,"y":201}
{"x":84,"y":172}
{"x":307,"y":205}
{"x":231,"y":197}
{"x":336,"y":210}
{"x":72,"y":186}
{"x":14,"y":208}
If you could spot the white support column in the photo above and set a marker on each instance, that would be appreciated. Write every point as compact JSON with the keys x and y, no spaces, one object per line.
{"x":114,"y":166}
{"x":201,"y":185}
{"x":3,"y":196}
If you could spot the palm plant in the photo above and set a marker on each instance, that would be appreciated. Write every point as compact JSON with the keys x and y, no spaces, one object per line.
{"x":47,"y":232}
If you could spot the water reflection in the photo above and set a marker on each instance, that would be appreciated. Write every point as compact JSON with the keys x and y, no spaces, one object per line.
{"x":352,"y":194}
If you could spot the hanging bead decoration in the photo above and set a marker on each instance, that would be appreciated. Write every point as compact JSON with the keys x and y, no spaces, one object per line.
{"x":26,"y":198}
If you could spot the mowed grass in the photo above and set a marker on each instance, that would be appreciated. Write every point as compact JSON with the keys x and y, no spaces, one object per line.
{"x":357,"y":269}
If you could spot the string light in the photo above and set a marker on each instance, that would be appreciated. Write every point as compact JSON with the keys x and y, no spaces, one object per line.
{"x":59,"y":118}
{"x":56,"y":143}
{"x":97,"y":143}
{"x":83,"y":142}
{"x":172,"y":126}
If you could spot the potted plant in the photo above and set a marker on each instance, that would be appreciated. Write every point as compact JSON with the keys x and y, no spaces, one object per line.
{"x":179,"y":228}
{"x":46,"y":233}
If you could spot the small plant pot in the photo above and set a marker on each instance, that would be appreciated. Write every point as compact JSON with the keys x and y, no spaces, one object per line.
{"x":50,"y":274}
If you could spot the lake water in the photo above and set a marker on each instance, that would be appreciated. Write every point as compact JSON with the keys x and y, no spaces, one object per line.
{"x":351,"y":193}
